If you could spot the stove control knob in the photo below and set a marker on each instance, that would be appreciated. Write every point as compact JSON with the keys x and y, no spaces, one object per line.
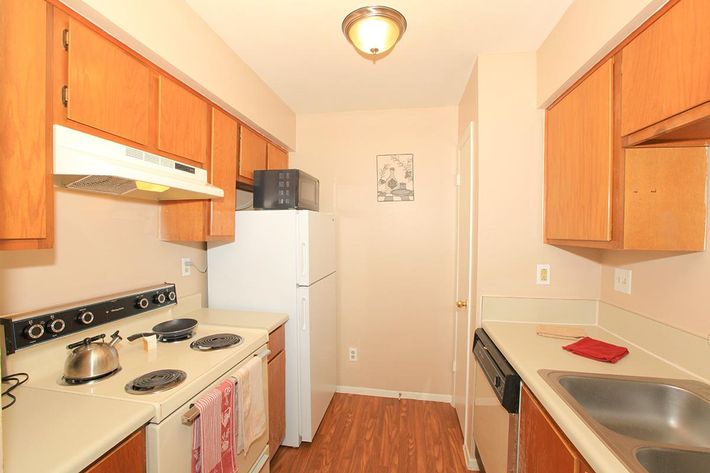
{"x":142,"y":303}
{"x":171,"y":296}
{"x":159,"y":298}
{"x":85,"y":318}
{"x":34,"y":331}
{"x":56,"y":326}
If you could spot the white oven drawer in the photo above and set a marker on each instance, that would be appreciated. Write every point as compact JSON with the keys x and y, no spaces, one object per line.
{"x":169,"y":444}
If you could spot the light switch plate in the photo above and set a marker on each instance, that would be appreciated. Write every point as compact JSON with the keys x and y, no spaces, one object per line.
{"x":622,"y":280}
{"x":543,"y":274}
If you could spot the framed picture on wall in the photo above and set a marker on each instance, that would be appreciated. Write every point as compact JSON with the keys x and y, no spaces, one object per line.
{"x":395,"y":177}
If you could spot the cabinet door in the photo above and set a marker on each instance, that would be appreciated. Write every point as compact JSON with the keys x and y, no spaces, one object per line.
{"x":252,"y":153}
{"x":208,"y":220}
{"x":578,"y":161}
{"x":543,"y":448}
{"x":108,"y":88}
{"x":223,"y":172}
{"x":277,"y":402}
{"x":127,"y":457}
{"x":276,"y":158}
{"x":183,"y":121}
{"x":666,"y":68}
{"x":25,"y":164}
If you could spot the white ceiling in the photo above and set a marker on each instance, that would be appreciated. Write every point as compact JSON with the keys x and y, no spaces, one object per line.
{"x":298,"y":49}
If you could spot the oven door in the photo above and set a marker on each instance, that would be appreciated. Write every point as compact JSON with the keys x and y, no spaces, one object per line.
{"x":169,"y":444}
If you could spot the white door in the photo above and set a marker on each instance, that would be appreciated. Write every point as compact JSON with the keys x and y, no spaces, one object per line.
{"x":317,"y":351}
{"x":316,"y":246}
{"x":463,"y":327}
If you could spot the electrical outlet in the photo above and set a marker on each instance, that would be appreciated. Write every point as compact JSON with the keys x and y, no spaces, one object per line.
{"x":352,"y":354}
{"x":543,"y":274}
{"x":622,"y":280}
{"x":185,"y":264}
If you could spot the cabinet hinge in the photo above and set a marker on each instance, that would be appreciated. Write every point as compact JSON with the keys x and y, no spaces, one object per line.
{"x":65,"y":95}
{"x":65,"y":39}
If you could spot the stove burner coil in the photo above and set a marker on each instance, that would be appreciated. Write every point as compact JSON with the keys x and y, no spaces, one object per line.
{"x":216,"y":342}
{"x":155,"y":381}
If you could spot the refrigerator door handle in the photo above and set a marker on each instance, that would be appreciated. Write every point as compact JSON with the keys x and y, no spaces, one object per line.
{"x":304,"y":258}
{"x":304,"y":315}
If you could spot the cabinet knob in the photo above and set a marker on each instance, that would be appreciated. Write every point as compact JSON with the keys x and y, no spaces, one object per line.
{"x":461,"y":304}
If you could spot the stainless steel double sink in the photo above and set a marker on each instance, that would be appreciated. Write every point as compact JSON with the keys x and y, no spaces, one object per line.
{"x":653,"y":425}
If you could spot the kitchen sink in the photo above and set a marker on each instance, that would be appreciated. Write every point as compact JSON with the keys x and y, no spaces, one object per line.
{"x":668,"y":460}
{"x":645,"y":410}
{"x":653,"y":425}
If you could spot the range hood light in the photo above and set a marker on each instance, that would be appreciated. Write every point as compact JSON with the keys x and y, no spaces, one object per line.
{"x":150,"y":187}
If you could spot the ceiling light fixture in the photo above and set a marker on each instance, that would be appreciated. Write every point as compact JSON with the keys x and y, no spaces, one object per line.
{"x":374,"y":30}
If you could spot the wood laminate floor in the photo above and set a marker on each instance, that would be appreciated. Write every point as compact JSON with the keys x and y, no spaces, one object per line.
{"x":364,"y":434}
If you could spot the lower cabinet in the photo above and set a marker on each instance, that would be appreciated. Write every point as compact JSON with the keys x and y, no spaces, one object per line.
{"x":544,"y":448}
{"x":277,"y":390}
{"x":126,"y":457}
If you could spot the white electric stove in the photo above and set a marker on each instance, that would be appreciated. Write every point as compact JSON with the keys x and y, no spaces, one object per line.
{"x":193,"y":371}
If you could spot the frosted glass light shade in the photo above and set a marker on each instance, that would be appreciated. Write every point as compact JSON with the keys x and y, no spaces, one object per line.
{"x":374,"y":30}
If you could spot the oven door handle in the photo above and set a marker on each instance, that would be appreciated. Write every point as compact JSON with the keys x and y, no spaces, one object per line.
{"x":189,"y":417}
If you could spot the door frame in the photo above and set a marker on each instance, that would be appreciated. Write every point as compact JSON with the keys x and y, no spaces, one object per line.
{"x":468,"y":134}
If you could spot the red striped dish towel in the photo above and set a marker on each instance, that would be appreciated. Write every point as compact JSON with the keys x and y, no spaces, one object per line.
{"x":213,"y":448}
{"x":251,"y":410}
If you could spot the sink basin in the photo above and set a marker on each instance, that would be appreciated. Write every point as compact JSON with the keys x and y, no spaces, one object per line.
{"x":645,"y":410}
{"x":666,"y":460}
{"x":652,"y":425}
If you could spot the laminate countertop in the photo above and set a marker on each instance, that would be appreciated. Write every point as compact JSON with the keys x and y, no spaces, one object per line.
{"x":237,"y":318}
{"x":58,"y":432}
{"x":528,"y":352}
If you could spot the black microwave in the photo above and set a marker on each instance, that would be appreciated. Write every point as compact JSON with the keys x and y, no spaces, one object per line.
{"x":285,"y":189}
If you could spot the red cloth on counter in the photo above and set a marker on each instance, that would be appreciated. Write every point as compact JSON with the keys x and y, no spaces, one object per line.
{"x":597,"y":350}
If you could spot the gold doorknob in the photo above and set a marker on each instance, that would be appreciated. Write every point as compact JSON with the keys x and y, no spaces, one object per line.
{"x":461,"y":304}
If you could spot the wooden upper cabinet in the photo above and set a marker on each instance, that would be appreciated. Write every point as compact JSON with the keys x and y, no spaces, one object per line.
{"x":208,"y":220}
{"x":666,"y":68}
{"x":664,"y":203}
{"x":26,"y":197}
{"x":183,"y":121}
{"x":108,"y":88}
{"x":543,"y":447}
{"x":252,"y":153}
{"x":579,"y":160}
{"x":276,"y":158}
{"x":223,"y":172}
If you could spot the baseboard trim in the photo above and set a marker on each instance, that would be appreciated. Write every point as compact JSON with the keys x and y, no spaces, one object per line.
{"x":394,"y":394}
{"x":471,"y":462}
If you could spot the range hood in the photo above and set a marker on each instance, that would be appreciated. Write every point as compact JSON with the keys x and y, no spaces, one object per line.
{"x":86,"y":162}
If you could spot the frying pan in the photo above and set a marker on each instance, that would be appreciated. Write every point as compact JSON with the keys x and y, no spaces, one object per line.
{"x":169,"y":330}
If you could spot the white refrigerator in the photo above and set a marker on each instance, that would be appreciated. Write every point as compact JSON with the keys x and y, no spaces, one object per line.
{"x":284,"y":261}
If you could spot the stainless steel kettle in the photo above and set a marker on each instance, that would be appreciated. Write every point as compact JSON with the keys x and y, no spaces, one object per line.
{"x":91,"y":358}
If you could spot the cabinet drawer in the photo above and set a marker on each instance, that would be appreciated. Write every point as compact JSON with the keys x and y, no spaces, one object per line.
{"x":277,"y":342}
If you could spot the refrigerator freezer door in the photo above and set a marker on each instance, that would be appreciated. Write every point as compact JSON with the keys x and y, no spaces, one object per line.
{"x":317,"y":342}
{"x":316,"y":246}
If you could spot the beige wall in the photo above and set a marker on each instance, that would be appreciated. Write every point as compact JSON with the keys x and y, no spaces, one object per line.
{"x":171,"y":34}
{"x":587,"y":31}
{"x":510,"y":195}
{"x":395,"y":260}
{"x":668,"y":287}
{"x":103,"y":245}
